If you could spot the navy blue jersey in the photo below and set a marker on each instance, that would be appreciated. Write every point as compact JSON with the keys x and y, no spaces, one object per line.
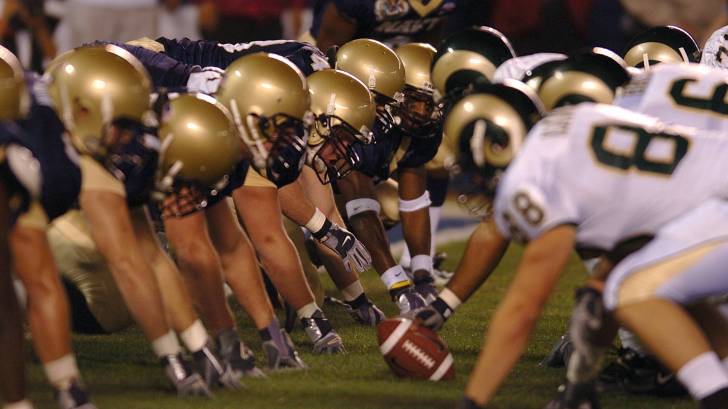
{"x":43,"y":133}
{"x":393,"y":22}
{"x":392,"y":150}
{"x":213,"y":54}
{"x":164,"y":70}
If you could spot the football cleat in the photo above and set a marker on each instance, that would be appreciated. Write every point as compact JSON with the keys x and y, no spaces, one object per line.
{"x":186,"y":381}
{"x":407,"y":299}
{"x":73,"y":397}
{"x":560,"y":353}
{"x":637,"y":373}
{"x":237,"y":357}
{"x":575,"y":396}
{"x":325,"y":339}
{"x":364,"y":311}
{"x":213,"y":369}
{"x":282,"y":356}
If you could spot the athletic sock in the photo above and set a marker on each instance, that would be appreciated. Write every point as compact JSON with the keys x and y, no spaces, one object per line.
{"x":352,"y":291}
{"x":307,"y":310}
{"x":62,"y":371}
{"x":166,"y":345}
{"x":703,"y":375}
{"x":194,"y":337}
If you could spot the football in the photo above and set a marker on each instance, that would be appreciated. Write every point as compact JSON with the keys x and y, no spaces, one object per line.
{"x":413,"y":351}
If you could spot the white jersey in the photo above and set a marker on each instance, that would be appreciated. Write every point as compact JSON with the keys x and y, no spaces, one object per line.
{"x":518,"y":67}
{"x":614,"y":174}
{"x":685,"y":94}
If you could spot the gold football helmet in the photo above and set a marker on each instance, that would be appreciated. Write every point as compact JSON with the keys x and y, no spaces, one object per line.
{"x":344,"y":112}
{"x":374,"y":64}
{"x":485,"y":130}
{"x":661,"y":44}
{"x":102,"y":95}
{"x":92,"y":87}
{"x":467,"y":58}
{"x":200,"y":149}
{"x":381,"y":70}
{"x":591,"y":76}
{"x":419,"y":116}
{"x":14,"y":97}
{"x":268,"y":98}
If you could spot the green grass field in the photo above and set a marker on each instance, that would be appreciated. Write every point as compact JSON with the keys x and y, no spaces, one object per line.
{"x":121,"y":371}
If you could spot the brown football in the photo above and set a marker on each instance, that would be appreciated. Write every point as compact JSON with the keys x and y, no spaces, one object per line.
{"x":413,"y":351}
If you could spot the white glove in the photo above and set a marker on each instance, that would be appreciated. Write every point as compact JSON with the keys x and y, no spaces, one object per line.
{"x":347,"y":246}
{"x":206,"y":81}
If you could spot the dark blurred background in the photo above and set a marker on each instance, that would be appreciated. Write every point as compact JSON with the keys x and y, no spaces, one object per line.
{"x":37,"y":30}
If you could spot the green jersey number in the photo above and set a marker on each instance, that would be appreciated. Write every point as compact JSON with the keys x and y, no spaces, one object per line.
{"x":715,"y":103}
{"x":638,"y":156}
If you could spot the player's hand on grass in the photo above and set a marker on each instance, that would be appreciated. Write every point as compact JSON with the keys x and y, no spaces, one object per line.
{"x":432,"y":316}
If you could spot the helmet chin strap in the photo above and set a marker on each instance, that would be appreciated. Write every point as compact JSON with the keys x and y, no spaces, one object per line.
{"x":477,"y":141}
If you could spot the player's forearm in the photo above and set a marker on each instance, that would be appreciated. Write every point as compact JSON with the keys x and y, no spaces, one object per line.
{"x":516,"y":316}
{"x":295,"y":205}
{"x":505,"y":342}
{"x":483,"y":252}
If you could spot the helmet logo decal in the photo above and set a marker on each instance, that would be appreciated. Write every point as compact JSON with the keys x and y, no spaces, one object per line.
{"x":372,"y":81}
{"x":477,"y":142}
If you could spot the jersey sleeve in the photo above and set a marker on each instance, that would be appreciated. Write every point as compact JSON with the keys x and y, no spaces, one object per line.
{"x":164,"y":70}
{"x":529,"y":203}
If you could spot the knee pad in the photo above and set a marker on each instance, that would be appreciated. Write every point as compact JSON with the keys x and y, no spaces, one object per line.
{"x":357,"y":206}
{"x":414,"y":205}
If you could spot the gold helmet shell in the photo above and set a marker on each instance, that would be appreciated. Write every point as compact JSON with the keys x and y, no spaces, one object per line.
{"x":485,"y":130}
{"x":262,"y":86}
{"x":199,"y":140}
{"x":92,"y":86}
{"x":14,"y":97}
{"x":591,"y":76}
{"x":342,"y":97}
{"x":417,"y":59}
{"x":374,"y":64}
{"x":661,"y":44}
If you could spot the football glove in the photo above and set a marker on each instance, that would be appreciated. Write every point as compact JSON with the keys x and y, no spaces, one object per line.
{"x":355,"y":256}
{"x":432,"y":316}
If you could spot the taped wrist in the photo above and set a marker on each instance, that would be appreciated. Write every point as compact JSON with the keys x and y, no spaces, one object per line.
{"x":317,"y":223}
{"x":395,"y":278}
{"x":357,"y":206}
{"x":414,"y":205}
{"x":449,"y":298}
{"x":421,"y":262}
